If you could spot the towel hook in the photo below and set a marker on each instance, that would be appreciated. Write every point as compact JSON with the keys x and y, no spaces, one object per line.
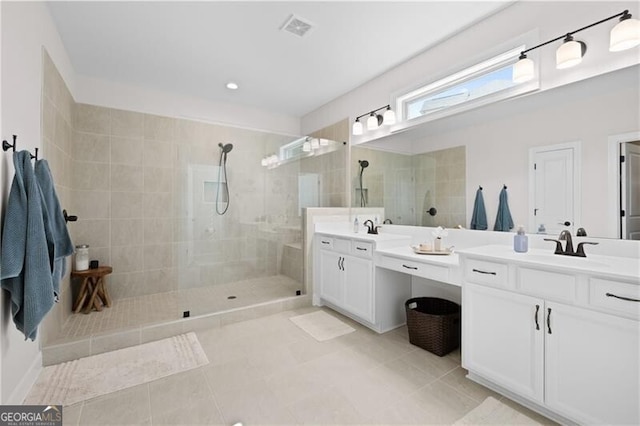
{"x":68,"y":218}
{"x":480,"y":187}
{"x":34,"y":156}
{"x":6,"y":145}
{"x":504,"y":186}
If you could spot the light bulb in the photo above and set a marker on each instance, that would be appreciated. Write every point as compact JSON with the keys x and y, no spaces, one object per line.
{"x":523,"y":70}
{"x":357,"y":128}
{"x":372,"y":122}
{"x":324,"y":142}
{"x":625,"y":35}
{"x":389,"y":117}
{"x":264,"y":161}
{"x":306,"y":147}
{"x":315,"y":143}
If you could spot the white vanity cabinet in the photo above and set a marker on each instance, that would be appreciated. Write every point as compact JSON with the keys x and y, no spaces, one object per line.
{"x":560,"y":339}
{"x":346,"y":275}
{"x":345,"y":279}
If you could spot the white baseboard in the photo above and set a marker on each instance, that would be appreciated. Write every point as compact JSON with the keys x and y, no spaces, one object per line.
{"x":28,"y":380}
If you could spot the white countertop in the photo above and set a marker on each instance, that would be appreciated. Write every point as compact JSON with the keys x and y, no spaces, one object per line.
{"x":616,"y":267}
{"x":367,"y":237}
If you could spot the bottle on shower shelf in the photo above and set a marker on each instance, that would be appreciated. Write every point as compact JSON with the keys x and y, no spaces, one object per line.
{"x":356,"y":225}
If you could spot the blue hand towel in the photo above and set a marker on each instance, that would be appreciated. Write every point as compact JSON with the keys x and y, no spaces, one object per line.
{"x":25,"y":265}
{"x":503,"y":218}
{"x":479,"y":217}
{"x":58,"y":240}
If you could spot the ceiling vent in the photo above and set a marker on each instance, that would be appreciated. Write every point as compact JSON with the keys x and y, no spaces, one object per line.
{"x":297,"y":26}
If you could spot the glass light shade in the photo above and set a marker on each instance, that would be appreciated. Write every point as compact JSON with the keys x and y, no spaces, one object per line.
{"x":315,"y":143}
{"x":357,"y":128}
{"x":625,"y":35}
{"x":264,"y":161}
{"x":568,"y":54}
{"x":523,"y":71}
{"x":306,"y":147}
{"x":324,"y":142}
{"x":389,"y":117}
{"x":372,"y":122}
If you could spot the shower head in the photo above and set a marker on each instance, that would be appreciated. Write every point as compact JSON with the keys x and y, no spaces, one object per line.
{"x":363,"y":163}
{"x":226,"y":148}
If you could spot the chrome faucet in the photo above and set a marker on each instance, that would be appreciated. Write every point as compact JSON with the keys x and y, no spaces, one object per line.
{"x":568,"y":248}
{"x":371,"y":229}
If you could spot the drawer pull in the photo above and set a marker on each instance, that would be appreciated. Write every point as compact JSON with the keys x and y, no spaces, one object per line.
{"x":537,"y":324}
{"x":483,"y":272}
{"x":361,"y":248}
{"x":409,"y":267}
{"x":326,"y":242}
{"x":342,"y":264}
{"x":549,"y":320}
{"x":629,"y":299}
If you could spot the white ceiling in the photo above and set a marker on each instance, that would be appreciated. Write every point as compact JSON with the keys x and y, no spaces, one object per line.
{"x":195,"y":48}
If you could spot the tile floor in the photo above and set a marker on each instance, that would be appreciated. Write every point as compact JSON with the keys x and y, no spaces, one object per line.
{"x":155,"y":308}
{"x":268,"y":371}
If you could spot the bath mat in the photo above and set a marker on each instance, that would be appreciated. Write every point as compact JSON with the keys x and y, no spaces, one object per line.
{"x":96,"y":375}
{"x":321,"y":326}
{"x":494,"y":412}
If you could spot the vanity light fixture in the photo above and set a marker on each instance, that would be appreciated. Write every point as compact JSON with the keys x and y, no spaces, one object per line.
{"x":625,"y":35}
{"x":375,"y":120}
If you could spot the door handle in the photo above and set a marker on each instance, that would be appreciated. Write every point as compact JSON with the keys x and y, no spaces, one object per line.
{"x":537,"y":324}
{"x":549,"y":320}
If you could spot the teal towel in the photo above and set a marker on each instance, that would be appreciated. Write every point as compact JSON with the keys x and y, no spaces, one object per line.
{"x":503,"y":218}
{"x":58,"y":240}
{"x":479,"y":217}
{"x":25,"y":265}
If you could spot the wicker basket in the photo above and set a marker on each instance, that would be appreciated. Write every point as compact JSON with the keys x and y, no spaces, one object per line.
{"x":434,"y":324}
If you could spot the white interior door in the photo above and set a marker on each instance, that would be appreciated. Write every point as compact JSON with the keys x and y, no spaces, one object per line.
{"x":554,"y":189}
{"x":630,"y":191}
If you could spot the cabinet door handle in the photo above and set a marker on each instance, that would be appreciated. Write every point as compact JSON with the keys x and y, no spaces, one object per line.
{"x":483,"y":272}
{"x":361,"y":248}
{"x":339,"y":259}
{"x":409,"y":267}
{"x":629,"y":299}
{"x":537,"y":324}
{"x":342,"y":264}
{"x":326,"y":242}
{"x":549,"y":320}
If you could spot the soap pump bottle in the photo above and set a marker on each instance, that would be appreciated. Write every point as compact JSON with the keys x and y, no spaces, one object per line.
{"x":520,"y":241}
{"x":356,"y":225}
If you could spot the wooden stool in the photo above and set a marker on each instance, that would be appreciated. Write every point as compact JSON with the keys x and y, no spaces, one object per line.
{"x":92,"y":289}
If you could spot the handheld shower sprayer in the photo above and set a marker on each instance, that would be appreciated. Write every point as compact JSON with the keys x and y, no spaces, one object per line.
{"x":363,"y":165}
{"x":222,"y":169}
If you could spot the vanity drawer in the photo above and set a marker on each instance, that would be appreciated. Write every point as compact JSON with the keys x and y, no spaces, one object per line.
{"x":546,"y":284}
{"x":424,"y":270}
{"x":325,"y":242}
{"x":361,"y":248}
{"x":607,"y":294}
{"x":483,"y":272}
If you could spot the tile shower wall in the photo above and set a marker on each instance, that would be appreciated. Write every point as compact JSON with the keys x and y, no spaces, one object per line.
{"x":145,"y":188}
{"x":407,"y":186}
{"x":57,"y":133}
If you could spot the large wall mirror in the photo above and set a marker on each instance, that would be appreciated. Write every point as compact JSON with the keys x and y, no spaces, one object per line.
{"x":441,"y":164}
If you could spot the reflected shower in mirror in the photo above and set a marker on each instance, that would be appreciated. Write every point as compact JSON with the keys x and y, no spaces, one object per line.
{"x":425,"y":189}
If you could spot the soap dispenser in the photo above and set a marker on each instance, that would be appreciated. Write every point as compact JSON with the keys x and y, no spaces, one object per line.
{"x":520,"y":241}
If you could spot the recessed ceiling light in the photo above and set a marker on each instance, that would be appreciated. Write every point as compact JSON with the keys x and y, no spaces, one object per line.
{"x":232,"y":86}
